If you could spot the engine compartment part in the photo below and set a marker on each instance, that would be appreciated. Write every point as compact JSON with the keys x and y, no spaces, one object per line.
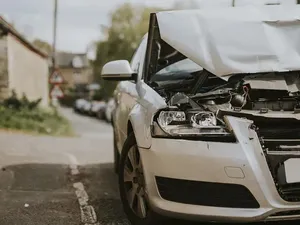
{"x":191,"y":124}
{"x":204,"y":119}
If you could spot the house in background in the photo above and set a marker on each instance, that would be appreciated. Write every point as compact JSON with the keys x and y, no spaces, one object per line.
{"x":75,"y":69}
{"x":23,"y":68}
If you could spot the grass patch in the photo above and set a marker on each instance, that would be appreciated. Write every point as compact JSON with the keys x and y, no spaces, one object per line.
{"x":37,"y":121}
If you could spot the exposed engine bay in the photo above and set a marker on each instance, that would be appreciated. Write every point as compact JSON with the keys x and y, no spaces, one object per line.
{"x":240,"y":96}
{"x":175,"y":77}
{"x":260,"y":92}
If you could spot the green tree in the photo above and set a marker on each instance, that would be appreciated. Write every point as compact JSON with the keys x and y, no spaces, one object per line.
{"x":42,"y":45}
{"x":129,"y":23}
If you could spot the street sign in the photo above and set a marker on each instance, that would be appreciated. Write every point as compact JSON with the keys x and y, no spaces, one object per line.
{"x":56,"y":92}
{"x":56,"y":78}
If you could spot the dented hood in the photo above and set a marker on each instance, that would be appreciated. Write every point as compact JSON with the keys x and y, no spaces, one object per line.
{"x":236,"y":40}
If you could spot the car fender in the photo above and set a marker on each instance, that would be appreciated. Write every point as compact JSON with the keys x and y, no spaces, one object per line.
{"x":141,"y":115}
{"x":140,"y":122}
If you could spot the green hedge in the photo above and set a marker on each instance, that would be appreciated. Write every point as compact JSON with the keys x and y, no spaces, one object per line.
{"x":36,"y":121}
{"x":25,"y":115}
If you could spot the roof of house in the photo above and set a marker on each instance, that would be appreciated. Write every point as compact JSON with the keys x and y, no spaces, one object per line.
{"x":4,"y":25}
{"x":66,"y":59}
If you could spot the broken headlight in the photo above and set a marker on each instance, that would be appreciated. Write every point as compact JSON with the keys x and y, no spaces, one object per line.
{"x":188,"y":125}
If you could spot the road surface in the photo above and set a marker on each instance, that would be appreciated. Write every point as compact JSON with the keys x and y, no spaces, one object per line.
{"x":60,"y":181}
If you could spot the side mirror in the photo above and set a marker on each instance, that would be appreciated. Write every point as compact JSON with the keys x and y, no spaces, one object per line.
{"x":117,"y":71}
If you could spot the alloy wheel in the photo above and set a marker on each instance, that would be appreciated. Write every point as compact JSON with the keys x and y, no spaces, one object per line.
{"x":134,"y":183}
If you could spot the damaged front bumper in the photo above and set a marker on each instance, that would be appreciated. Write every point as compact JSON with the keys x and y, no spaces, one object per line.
{"x":214,"y":181}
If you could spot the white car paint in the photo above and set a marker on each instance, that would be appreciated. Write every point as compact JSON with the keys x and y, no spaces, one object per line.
{"x":97,"y":106}
{"x":248,"y":39}
{"x":110,"y":106}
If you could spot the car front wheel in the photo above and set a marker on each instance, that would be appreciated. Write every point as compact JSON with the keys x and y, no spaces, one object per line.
{"x":132,"y":186}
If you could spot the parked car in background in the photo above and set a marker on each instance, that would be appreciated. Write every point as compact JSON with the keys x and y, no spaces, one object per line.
{"x":206,"y":124}
{"x":98,"y":109}
{"x":109,"y":109}
{"x":79,"y":105}
{"x":87,"y":108}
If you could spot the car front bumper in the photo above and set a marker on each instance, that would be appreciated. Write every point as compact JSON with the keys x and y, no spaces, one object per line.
{"x":242,"y":164}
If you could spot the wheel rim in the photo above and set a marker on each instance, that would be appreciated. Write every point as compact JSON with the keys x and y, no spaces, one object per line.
{"x":134,"y":183}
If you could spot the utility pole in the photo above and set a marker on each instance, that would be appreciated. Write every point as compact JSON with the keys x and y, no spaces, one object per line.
{"x":54,"y":99}
{"x":233,"y":3}
{"x":54,"y":35}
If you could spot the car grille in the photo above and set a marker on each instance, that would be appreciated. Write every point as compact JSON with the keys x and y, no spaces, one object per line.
{"x":280,"y":140}
{"x":206,"y":193}
{"x":288,"y":213}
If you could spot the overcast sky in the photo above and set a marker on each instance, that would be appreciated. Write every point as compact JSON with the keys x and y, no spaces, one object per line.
{"x":78,"y":20}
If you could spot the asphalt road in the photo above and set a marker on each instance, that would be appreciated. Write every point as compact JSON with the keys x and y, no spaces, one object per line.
{"x":60,"y":181}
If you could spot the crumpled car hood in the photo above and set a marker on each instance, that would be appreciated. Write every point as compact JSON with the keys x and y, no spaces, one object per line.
{"x":236,"y":40}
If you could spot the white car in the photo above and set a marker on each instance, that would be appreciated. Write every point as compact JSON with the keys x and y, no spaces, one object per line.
{"x":87,"y":107}
{"x":79,"y":105}
{"x":109,"y":109}
{"x":207,"y":118}
{"x":98,"y":108}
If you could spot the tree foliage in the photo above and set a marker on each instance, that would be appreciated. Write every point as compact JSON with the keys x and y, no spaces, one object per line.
{"x":128,"y":24}
{"x":43,"y":46}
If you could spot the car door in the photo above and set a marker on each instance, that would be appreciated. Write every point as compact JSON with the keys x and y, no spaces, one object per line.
{"x":126,"y":96}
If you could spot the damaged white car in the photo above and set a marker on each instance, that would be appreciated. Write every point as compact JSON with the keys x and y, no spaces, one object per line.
{"x":207,"y":117}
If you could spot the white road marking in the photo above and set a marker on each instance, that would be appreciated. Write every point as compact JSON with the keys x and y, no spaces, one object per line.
{"x":107,"y":136}
{"x":88,"y":214}
{"x":74,"y":164}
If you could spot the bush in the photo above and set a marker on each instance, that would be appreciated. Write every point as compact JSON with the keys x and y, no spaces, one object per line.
{"x":14,"y":103}
{"x":22,"y":114}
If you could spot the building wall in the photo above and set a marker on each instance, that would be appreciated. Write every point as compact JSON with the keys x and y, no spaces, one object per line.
{"x":28,"y":72}
{"x":73,"y":76}
{"x":4,"y":91}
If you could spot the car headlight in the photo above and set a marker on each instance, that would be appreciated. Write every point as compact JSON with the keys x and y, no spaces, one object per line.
{"x":179,"y":124}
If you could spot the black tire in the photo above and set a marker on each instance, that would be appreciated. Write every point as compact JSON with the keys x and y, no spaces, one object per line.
{"x":116,"y":156}
{"x":152,"y":218}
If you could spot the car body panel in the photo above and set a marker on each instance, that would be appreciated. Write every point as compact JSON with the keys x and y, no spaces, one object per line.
{"x":136,"y":104}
